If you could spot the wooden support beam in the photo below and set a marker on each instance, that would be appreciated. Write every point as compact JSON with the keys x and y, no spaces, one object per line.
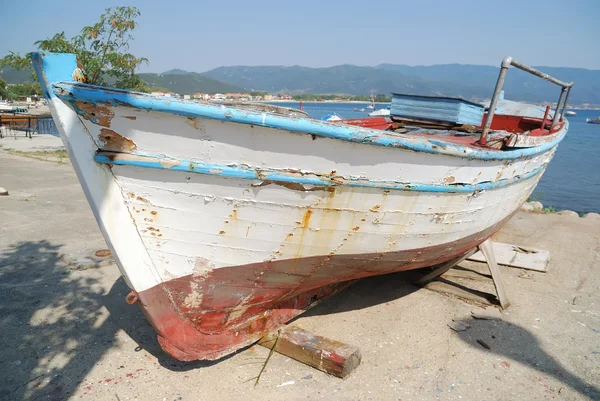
{"x":451,"y":288}
{"x":444,"y":267}
{"x":330,"y":356}
{"x":487,"y":250}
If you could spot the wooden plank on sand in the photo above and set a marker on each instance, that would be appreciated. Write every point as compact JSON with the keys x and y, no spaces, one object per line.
{"x":517,"y":256}
{"x":455,"y":289}
{"x":330,"y":356}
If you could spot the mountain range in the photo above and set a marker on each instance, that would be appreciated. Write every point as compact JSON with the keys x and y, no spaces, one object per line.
{"x":473,"y":82}
{"x":183,"y":82}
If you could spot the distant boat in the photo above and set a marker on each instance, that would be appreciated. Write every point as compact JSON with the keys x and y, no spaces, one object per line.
{"x":229,"y":221}
{"x":380,"y":113}
{"x":570,"y":113}
{"x":593,"y":120}
{"x":332,"y":117}
{"x":13,"y":108}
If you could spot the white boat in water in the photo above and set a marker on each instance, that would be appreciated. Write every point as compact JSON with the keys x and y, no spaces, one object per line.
{"x":380,"y":113}
{"x":570,"y":113}
{"x":227,"y":222}
{"x":332,"y":117}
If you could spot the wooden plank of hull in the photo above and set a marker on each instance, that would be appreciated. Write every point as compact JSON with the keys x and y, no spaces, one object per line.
{"x":228,"y":222}
{"x":230,"y":144}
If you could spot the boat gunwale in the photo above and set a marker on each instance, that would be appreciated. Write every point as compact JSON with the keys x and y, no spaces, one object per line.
{"x":75,"y":91}
{"x":282,"y":176}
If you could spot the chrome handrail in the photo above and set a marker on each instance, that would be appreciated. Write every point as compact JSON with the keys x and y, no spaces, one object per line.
{"x":507,"y":62}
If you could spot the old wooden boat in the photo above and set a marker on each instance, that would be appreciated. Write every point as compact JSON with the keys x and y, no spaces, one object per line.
{"x":227,"y":222}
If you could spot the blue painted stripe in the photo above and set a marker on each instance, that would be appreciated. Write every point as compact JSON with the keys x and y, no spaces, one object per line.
{"x":324,"y":180}
{"x":93,"y":94}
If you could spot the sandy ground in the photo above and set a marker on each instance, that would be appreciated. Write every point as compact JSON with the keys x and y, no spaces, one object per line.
{"x":68,"y":333}
{"x":17,"y":140}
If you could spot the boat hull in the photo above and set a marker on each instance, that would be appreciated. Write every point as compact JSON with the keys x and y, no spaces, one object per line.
{"x":228,"y":223}
{"x":210,"y":315}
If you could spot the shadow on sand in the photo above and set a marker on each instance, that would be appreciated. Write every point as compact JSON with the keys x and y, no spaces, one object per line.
{"x":518,"y":344}
{"x":55,"y":328}
{"x":52,"y":326}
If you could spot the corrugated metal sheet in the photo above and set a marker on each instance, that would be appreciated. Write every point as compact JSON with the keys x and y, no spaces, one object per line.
{"x":431,"y":108}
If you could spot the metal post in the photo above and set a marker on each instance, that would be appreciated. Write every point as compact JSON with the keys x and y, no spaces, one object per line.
{"x":558,"y":106}
{"x":562,"y":114}
{"x":540,"y":74}
{"x":491,"y":110}
{"x":545,"y":117}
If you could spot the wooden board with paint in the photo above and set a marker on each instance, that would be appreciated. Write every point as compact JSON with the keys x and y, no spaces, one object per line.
{"x":517,"y":256}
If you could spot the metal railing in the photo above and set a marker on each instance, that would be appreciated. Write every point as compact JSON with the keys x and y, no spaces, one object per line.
{"x":507,"y":62}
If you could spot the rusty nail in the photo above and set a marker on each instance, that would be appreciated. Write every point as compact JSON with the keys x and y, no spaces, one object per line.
{"x":132,"y":297}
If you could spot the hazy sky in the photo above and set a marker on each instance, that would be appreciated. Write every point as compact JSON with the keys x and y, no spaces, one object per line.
{"x":198,"y":35}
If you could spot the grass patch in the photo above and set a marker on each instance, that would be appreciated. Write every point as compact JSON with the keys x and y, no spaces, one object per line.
{"x":549,"y":209}
{"x":536,"y":197}
{"x":58,"y":156}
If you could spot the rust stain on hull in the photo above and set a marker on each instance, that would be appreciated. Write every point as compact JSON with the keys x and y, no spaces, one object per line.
{"x":306,"y":218}
{"x":100,"y":115}
{"x":449,"y":179}
{"x":115,"y":142}
{"x":293,"y":186}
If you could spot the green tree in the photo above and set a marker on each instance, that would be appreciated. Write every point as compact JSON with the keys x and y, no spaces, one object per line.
{"x":23,"y":90}
{"x":259,"y":93}
{"x":3,"y":90}
{"x":102,"y":50}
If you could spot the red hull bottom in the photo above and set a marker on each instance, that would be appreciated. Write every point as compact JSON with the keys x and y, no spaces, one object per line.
{"x":212,"y":315}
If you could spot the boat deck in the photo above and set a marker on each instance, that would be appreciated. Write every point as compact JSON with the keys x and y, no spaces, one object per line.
{"x":503,"y":127}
